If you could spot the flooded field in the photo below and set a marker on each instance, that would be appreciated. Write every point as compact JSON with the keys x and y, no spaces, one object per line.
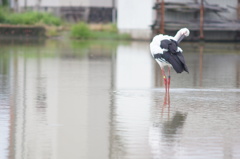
{"x":64,"y":99}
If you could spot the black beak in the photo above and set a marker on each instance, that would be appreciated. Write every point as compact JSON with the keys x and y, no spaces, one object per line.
{"x":180,"y":39}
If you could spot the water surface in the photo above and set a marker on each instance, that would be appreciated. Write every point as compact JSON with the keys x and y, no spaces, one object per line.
{"x":99,"y":99}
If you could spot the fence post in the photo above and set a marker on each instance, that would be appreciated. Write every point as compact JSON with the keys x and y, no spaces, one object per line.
{"x":201,"y":20}
{"x":162,"y":17}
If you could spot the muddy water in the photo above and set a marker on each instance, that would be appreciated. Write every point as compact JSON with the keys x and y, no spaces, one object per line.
{"x":75,"y":99}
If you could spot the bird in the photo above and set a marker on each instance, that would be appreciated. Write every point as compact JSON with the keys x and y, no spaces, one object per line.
{"x":167,"y":53}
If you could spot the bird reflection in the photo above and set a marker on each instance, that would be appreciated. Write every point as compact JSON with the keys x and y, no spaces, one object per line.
{"x":166,"y":104}
{"x":165,"y":132}
{"x":172,"y":126}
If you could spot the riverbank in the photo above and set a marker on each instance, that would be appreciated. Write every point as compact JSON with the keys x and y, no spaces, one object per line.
{"x":97,"y":31}
{"x":28,"y":24}
{"x":76,"y":31}
{"x":12,"y":31}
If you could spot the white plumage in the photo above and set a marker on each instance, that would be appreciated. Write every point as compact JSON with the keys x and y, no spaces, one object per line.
{"x":166,"y":52}
{"x":156,"y":49}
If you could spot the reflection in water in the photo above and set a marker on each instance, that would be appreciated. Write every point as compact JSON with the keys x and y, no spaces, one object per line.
{"x":164,"y":137}
{"x":170,"y":128}
{"x":165,"y":129}
{"x":74,"y":99}
{"x":200,"y":64}
{"x":166,"y":102}
{"x":5,"y":110}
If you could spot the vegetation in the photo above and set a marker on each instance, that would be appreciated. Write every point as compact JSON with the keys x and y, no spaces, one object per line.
{"x":28,"y":18}
{"x":81,"y":31}
{"x":50,"y":22}
{"x":108,"y":31}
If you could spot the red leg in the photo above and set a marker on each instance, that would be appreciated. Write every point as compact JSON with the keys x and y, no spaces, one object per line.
{"x":165,"y":79}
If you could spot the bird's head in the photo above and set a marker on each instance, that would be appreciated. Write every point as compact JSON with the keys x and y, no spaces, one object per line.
{"x":181,"y":34}
{"x":184,"y":31}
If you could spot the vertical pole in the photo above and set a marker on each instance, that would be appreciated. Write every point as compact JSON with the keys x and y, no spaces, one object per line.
{"x":113,"y":12}
{"x":201,"y":20}
{"x":156,"y":30}
{"x":238,"y":10}
{"x":162,"y":17}
{"x":200,"y":64}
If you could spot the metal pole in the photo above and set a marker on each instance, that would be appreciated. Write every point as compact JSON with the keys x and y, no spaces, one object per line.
{"x":113,"y":12}
{"x":156,"y":31}
{"x":238,"y":10}
{"x":201,"y":20}
{"x":162,"y":17}
{"x":200,"y":64}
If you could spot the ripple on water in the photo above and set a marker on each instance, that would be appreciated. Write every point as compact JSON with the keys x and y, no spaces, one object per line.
{"x":198,"y":123}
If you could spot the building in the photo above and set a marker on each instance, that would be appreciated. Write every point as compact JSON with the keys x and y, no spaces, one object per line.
{"x":208,"y":20}
{"x":135,"y":18}
{"x":220,"y":20}
{"x":72,"y":10}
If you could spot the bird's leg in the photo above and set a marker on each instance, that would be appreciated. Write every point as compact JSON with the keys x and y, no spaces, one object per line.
{"x":169,"y":78}
{"x":165,"y":79}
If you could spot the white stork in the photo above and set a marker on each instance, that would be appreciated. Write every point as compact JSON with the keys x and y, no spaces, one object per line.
{"x":166,"y":52}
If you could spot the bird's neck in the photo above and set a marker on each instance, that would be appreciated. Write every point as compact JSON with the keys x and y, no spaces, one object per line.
{"x":177,"y":36}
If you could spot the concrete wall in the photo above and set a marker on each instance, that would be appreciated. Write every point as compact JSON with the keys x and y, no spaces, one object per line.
{"x":135,"y":17}
{"x":66,"y":3}
{"x":93,"y":11}
{"x":101,"y":3}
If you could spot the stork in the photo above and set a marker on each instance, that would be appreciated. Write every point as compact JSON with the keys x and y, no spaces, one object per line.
{"x":167,"y":53}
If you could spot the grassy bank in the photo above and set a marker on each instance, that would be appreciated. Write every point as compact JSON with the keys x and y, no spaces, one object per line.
{"x":48,"y":21}
{"x":97,"y":31}
{"x":54,"y":25}
{"x":28,"y":18}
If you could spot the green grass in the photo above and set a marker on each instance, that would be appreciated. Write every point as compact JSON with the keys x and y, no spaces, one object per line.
{"x":82,"y":31}
{"x":3,"y":14}
{"x":78,"y":31}
{"x":28,"y":18}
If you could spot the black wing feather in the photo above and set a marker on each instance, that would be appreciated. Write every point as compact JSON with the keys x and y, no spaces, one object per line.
{"x":176,"y":59}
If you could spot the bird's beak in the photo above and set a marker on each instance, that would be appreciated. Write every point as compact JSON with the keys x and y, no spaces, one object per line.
{"x":181,"y":37}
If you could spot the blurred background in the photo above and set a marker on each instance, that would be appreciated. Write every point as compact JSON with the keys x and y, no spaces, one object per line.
{"x":207,"y":19}
{"x":77,"y":80}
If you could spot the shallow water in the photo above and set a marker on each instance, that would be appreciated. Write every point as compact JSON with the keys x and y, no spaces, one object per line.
{"x":73,"y":99}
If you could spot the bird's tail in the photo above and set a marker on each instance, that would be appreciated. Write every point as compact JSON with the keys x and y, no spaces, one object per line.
{"x":178,"y":62}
